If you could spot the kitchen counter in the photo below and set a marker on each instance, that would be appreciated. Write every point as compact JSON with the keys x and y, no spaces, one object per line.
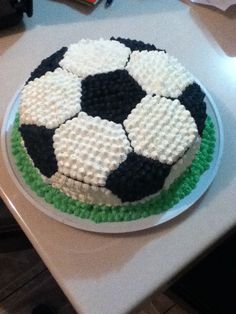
{"x":113,"y":273}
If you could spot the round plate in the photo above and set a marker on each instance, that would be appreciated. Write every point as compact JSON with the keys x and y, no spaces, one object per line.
{"x":114,"y":227}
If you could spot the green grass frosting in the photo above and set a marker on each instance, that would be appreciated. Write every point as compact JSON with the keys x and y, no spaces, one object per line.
{"x":97,"y":213}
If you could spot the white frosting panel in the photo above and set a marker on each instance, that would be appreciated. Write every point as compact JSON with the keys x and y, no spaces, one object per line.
{"x":89,"y":57}
{"x":89,"y":148}
{"x":158,"y":73}
{"x":51,"y":99}
{"x":161,"y":129}
{"x":84,"y":192}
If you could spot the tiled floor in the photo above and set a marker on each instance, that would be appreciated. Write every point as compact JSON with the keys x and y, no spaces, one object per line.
{"x":25,"y":283}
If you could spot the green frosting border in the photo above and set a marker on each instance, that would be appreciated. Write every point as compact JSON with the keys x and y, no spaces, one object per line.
{"x":165,"y":200}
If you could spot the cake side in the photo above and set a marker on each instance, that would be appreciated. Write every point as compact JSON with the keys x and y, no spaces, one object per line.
{"x":182,"y":186}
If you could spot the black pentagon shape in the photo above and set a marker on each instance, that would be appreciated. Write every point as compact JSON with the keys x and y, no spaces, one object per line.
{"x":110,"y":95}
{"x":48,"y":64}
{"x":136,"y":45}
{"x":193,"y":100}
{"x":137,"y":177}
{"x":38,"y":142}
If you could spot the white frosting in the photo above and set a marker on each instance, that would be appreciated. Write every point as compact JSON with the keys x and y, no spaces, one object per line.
{"x":84,"y":192}
{"x":182,"y":164}
{"x":161,"y":129}
{"x":51,"y":99}
{"x":95,"y":56}
{"x":158,"y":73}
{"x":89,"y":148}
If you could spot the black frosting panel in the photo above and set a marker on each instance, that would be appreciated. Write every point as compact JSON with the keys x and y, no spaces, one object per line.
{"x":38,"y":142}
{"x":137,"y":45}
{"x":193,"y":100}
{"x":110,"y":95}
{"x":48,"y":64}
{"x":137,"y":177}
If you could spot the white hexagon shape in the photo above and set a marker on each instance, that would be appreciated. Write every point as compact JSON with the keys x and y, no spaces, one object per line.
{"x":88,"y":149}
{"x":161,"y":129}
{"x":84,"y":192}
{"x":158,"y":73}
{"x":51,"y":99}
{"x":89,"y":57}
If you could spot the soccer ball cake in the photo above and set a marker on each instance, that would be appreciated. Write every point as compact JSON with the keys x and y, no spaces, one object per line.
{"x":110,"y":123}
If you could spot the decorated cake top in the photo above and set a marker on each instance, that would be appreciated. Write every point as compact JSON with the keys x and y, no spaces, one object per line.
{"x":111,"y":121}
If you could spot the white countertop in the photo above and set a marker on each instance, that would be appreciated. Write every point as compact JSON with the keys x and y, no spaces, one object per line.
{"x":111,"y":274}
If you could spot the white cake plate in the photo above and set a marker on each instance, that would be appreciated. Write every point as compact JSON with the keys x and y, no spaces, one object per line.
{"x":114,"y":227}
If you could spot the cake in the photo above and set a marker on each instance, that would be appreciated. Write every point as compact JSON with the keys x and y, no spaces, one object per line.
{"x":112,"y":130}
